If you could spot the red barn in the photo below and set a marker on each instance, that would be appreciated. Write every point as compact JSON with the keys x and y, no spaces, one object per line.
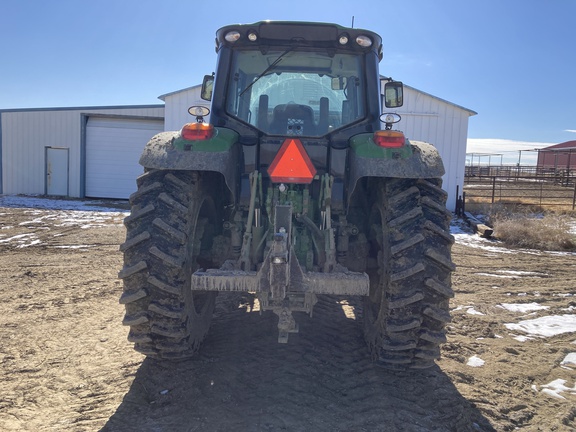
{"x":559,"y":156}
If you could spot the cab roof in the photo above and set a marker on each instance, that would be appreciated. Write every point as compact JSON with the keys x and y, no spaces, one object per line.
{"x":299,"y":33}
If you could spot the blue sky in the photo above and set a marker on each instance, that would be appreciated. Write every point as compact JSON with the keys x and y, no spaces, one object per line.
{"x":512,"y":61}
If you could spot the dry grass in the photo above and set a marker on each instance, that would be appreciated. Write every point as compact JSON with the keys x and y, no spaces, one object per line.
{"x":547,"y":233}
{"x":516,"y":227}
{"x":519,"y":226}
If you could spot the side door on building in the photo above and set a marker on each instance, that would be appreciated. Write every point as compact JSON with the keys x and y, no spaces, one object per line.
{"x":56,"y":171}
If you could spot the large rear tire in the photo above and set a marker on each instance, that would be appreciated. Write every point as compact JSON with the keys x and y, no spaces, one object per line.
{"x":410,"y":270}
{"x":169,"y":231}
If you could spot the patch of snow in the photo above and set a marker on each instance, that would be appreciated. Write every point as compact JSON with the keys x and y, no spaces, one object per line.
{"x":55,"y":204}
{"x":556,"y":387}
{"x":522,"y":307}
{"x":546,"y":326}
{"x":475,"y":361}
{"x":516,"y":272}
{"x":522,"y":273}
{"x":72,"y":247}
{"x":496,"y":275}
{"x":469,"y":309}
{"x":473,"y":311}
{"x":47,"y":212}
{"x":22,"y":240}
{"x":16,"y":237}
{"x":552,"y":393}
{"x":569,"y":360}
{"x":32,"y":243}
{"x":475,"y":241}
{"x":513,"y":274}
{"x":522,"y":338}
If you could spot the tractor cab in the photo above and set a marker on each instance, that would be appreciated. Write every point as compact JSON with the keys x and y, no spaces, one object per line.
{"x":296,"y":79}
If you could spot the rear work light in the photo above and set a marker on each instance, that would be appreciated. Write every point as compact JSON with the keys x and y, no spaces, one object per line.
{"x":389,"y":138}
{"x":363,"y":41}
{"x":292,"y":164}
{"x":232,"y":36}
{"x":197,"y":131}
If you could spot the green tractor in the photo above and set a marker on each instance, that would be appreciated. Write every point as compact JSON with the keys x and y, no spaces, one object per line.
{"x":296,"y":187}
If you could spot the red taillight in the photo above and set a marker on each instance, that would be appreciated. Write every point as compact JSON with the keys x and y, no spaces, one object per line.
{"x":389,"y":138}
{"x":197,"y":131}
{"x":292,"y":164}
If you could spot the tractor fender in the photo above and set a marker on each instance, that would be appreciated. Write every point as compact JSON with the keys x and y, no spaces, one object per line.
{"x":221,"y":153}
{"x":416,"y":159}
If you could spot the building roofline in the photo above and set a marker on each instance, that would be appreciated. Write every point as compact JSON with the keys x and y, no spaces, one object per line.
{"x":558,"y":146}
{"x":470,"y":112}
{"x":81,"y":108}
{"x":164,"y":96}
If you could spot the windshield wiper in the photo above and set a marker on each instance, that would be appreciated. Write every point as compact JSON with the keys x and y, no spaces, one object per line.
{"x":265,"y":71}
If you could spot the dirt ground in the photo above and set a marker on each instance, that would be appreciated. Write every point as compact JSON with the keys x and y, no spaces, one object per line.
{"x":66,"y":364}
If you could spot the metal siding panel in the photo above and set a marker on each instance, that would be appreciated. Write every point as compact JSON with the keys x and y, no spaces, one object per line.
{"x":455,"y":131}
{"x":29,"y":133}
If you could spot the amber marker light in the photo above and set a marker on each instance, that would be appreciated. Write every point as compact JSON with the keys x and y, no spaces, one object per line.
{"x":197,"y":131}
{"x":389,"y":138}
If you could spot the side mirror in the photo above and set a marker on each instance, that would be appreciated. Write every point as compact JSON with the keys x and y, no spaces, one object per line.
{"x":207,"y":87}
{"x":393,"y":94}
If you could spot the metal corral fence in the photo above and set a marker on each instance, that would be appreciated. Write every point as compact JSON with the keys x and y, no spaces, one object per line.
{"x":523,"y":185}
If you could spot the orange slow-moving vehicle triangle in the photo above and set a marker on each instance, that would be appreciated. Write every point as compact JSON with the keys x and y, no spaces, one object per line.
{"x":292,"y":164}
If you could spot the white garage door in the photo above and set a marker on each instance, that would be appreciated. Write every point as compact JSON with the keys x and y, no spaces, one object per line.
{"x":113,"y":148}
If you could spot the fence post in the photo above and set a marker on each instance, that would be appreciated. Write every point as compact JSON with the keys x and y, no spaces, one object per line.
{"x":493,"y":188}
{"x":458,"y":207}
{"x":574,"y":197}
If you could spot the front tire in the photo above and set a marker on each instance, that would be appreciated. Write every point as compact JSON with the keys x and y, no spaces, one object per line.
{"x":169,"y":233}
{"x":410,"y":270}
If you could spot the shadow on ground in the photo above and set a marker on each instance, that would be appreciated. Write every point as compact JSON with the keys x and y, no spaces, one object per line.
{"x":322,"y":380}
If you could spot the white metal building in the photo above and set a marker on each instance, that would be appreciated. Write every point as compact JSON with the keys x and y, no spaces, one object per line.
{"x":94,"y":151}
{"x":76,"y":152}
